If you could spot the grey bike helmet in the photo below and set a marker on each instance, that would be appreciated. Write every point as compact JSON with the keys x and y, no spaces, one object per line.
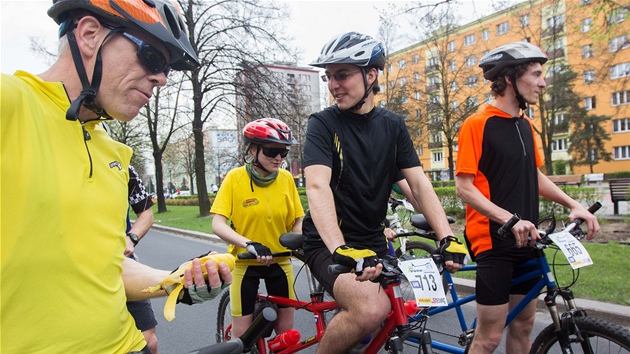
{"x":508,"y":55}
{"x":352,"y":48}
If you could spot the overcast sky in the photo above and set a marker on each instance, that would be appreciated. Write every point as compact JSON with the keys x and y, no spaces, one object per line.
{"x":312,"y":24}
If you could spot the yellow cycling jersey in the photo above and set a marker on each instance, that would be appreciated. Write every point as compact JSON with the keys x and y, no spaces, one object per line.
{"x":63,"y":204}
{"x":261,"y":215}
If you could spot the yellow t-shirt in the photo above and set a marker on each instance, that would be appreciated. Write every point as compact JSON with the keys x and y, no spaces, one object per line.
{"x":262,"y":215}
{"x":63,"y":203}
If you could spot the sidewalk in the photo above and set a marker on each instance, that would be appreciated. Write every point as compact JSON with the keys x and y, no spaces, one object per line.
{"x":619,"y":314}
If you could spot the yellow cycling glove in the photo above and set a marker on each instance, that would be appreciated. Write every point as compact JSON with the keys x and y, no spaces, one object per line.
{"x":354,"y":258}
{"x":452,"y":250}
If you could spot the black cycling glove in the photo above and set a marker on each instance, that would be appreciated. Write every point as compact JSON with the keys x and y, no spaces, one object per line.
{"x":258,"y":249}
{"x":452,"y":250}
{"x":354,"y":258}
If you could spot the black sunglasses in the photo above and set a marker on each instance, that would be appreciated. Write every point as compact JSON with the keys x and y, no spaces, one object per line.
{"x":273,"y":152}
{"x":340,"y":76}
{"x":149,"y":56}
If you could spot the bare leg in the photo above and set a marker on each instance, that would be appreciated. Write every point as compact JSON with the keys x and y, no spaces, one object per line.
{"x":519,"y":331}
{"x":489,"y":331}
{"x":240,"y":325}
{"x":364,"y":308}
{"x":151,"y":338}
{"x":285,"y":320}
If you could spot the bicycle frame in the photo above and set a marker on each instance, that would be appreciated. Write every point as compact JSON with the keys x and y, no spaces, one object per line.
{"x":547,"y":281}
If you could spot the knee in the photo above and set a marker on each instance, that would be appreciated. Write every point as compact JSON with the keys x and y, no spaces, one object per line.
{"x":152,"y":341}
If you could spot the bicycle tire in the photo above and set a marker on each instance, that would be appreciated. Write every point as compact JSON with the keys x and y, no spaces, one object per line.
{"x":604,"y":337}
{"x":416,"y":249}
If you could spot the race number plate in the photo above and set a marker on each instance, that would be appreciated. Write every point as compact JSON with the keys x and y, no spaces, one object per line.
{"x":575,"y":252}
{"x":426,"y":281}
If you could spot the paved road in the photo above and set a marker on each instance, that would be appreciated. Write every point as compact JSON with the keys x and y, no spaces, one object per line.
{"x":194,"y":326}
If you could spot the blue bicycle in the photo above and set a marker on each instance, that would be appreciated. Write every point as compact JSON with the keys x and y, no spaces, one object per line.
{"x":571,"y":331}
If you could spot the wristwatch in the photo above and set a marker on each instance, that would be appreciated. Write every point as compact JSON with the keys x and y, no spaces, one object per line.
{"x":134,"y":238}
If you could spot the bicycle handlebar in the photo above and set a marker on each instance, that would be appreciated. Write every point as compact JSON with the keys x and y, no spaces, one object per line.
{"x":390,"y":267}
{"x":247,"y":255}
{"x":263,"y":323}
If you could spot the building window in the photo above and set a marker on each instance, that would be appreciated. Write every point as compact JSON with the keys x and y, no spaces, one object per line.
{"x":471,"y":60}
{"x":525,"y":20}
{"x":472,"y":101}
{"x":619,"y":71}
{"x":589,"y":103}
{"x":416,"y":58}
{"x":485,"y":34}
{"x":621,"y":125}
{"x":451,"y":46}
{"x":454,"y":105}
{"x":390,"y":68}
{"x":416,"y":77}
{"x":529,"y":112}
{"x":417,"y":95}
{"x":619,"y":43}
{"x":589,"y":77}
{"x":585,"y":2}
{"x":402,"y":64}
{"x":559,"y":145}
{"x":469,"y":40}
{"x":471,"y":81}
{"x":433,"y":61}
{"x":452,"y":65}
{"x":382,"y":87}
{"x":418,"y":113}
{"x":437,"y":157}
{"x":453,"y":86}
{"x":620,"y":98}
{"x":488,"y":98}
{"x":617,"y":15}
{"x":436,"y":138}
{"x":621,"y":152}
{"x":404,"y":99}
{"x":587,"y":51}
{"x":392,"y":84}
{"x":402,"y":81}
{"x":555,"y":21}
{"x":503,"y":28}
{"x":586,"y":24}
{"x":383,"y":104}
{"x":560,"y":118}
{"x":420,"y":150}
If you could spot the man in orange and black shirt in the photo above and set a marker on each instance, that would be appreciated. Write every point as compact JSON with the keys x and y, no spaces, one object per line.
{"x":498,"y":176}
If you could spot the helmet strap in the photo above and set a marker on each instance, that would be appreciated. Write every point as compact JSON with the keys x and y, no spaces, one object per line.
{"x":369,"y":89}
{"x":521,"y":100}
{"x":88,"y":94}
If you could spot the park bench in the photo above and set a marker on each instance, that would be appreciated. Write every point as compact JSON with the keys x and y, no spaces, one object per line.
{"x":565,"y":180}
{"x":618,"y":191}
{"x":594,"y":177}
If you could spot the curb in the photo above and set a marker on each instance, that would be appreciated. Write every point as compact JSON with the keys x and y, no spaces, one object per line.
{"x":618,"y":314}
{"x":615,"y":313}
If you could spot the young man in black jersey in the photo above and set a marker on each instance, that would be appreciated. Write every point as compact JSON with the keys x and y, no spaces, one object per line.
{"x":497,"y":176}
{"x":352,"y":152}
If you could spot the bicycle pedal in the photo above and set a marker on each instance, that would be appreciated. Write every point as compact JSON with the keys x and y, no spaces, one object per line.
{"x":466,"y":337}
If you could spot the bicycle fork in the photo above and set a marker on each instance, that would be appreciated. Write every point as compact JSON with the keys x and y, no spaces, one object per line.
{"x":564,"y":323}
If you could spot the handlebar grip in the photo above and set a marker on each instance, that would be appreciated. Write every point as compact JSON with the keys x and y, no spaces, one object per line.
{"x":505,"y":228}
{"x":247,"y":255}
{"x":338,"y":269}
{"x":595,"y":207}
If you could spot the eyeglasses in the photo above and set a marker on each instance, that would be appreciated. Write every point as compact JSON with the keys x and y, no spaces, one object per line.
{"x":149,"y":56}
{"x":340,"y":76}
{"x":273,"y":152}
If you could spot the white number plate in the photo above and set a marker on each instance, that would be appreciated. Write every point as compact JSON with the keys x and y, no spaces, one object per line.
{"x":572,"y":248}
{"x":425,"y":280}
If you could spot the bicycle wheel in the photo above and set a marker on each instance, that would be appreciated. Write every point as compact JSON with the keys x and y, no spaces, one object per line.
{"x":416,"y":249}
{"x":224,"y":318}
{"x":599,"y":337}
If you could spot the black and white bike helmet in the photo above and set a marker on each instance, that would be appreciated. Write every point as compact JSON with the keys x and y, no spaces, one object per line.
{"x":355,"y":49}
{"x":511,"y":55}
{"x":352,"y":48}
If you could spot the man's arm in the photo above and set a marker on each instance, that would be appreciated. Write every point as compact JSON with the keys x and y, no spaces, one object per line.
{"x":470,"y":195}
{"x":137,"y":276}
{"x":140,"y":227}
{"x":550,"y":191}
{"x":321,"y":204}
{"x":406,"y":191}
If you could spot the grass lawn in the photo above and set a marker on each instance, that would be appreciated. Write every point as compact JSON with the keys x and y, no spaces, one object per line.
{"x":605,"y":280}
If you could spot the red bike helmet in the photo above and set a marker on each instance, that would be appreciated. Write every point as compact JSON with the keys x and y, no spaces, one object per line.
{"x":159,"y":19}
{"x":268,"y":130}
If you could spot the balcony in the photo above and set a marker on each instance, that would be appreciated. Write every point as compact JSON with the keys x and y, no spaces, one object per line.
{"x":556,"y":53}
{"x":432,"y":87}
{"x":436,"y":145}
{"x":430,"y":68}
{"x":435,"y":126}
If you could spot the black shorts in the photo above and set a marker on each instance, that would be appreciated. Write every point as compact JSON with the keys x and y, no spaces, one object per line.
{"x":318,"y":260}
{"x":142,"y":313}
{"x":495,"y":271}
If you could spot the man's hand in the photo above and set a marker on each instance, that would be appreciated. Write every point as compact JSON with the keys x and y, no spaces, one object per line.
{"x":389,"y":233}
{"x":129,"y":247}
{"x":453,"y":252}
{"x":589,"y":219}
{"x":525,"y":233}
{"x":356,"y":259}
{"x":262,"y":252}
{"x":197,"y":289}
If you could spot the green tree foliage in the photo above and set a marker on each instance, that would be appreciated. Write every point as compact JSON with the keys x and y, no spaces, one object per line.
{"x":586,"y":143}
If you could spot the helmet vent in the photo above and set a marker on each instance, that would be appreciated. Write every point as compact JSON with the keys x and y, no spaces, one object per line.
{"x":173,"y":24}
{"x":149,"y":2}
{"x":358,"y":54}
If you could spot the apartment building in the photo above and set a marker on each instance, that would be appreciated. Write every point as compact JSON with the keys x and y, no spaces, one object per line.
{"x":436,"y":84}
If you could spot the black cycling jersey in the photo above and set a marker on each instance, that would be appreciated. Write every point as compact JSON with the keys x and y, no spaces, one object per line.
{"x":139,"y":199}
{"x":364,"y":152}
